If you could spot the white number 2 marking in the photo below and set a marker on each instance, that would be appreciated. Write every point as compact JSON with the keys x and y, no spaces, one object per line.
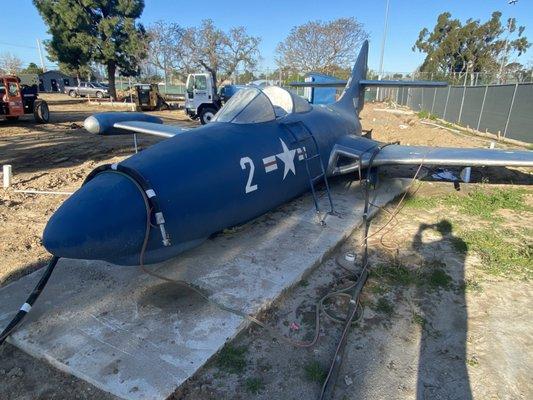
{"x":249,"y":187}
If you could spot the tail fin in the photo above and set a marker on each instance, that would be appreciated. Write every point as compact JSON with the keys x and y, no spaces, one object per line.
{"x":353,"y":96}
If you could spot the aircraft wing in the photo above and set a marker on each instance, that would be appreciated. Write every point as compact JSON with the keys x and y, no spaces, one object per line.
{"x":149,"y":128}
{"x":120,"y":123}
{"x":352,"y":151}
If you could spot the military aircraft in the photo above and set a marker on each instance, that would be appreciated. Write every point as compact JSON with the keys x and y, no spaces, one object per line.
{"x":265,"y":147}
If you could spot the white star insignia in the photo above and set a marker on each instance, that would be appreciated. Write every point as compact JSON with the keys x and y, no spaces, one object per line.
{"x":288,"y":159}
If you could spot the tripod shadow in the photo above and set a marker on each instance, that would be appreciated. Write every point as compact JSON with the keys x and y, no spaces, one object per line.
{"x":442,"y":368}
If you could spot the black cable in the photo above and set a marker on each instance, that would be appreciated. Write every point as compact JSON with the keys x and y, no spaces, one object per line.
{"x":34,"y":295}
{"x":331,"y":379}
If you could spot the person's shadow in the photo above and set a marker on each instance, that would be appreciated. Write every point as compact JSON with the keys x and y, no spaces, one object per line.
{"x":442,"y":371}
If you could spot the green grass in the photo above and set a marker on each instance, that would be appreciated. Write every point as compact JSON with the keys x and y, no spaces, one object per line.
{"x":484,"y":203}
{"x":384,"y":306}
{"x":232,"y":359}
{"x":471,"y":285}
{"x":424,"y":114}
{"x":254,"y":385}
{"x":395,"y":273}
{"x":431,"y":274}
{"x":419,"y":320}
{"x":421,"y":202}
{"x":314,"y":372}
{"x":376,"y":288}
{"x":501,"y":257}
{"x":479,"y":202}
{"x":438,"y":278}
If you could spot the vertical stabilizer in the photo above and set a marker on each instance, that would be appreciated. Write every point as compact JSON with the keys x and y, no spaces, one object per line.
{"x":353,"y":97}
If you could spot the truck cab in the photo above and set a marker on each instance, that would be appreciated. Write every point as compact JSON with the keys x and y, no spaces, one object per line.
{"x":201,"y":99}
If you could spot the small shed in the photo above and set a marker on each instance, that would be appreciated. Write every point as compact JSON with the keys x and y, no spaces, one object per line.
{"x":55,"y":81}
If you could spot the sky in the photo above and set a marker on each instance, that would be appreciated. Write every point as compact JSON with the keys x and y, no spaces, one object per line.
{"x":272,"y":21}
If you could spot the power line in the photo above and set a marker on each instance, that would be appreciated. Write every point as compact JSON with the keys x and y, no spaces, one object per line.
{"x":18,"y":45}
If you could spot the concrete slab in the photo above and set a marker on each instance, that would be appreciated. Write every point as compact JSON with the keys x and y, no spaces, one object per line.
{"x":140,"y":338}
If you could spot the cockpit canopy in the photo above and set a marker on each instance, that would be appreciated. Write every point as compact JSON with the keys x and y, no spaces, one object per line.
{"x":252,"y":105}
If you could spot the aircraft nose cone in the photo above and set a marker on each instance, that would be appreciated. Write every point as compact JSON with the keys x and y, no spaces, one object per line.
{"x":105,"y":220}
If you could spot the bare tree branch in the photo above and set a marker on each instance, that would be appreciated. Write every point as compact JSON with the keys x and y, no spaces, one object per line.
{"x":321,"y":46}
{"x":10,"y":64}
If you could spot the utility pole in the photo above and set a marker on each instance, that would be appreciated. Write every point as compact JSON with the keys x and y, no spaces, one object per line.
{"x":41,"y":55}
{"x":380,"y":73}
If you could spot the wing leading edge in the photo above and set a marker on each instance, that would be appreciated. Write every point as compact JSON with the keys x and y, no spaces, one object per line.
{"x":120,"y":123}
{"x":351,"y":152}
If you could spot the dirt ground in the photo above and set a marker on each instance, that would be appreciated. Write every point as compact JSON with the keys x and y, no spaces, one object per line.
{"x":467,"y":338}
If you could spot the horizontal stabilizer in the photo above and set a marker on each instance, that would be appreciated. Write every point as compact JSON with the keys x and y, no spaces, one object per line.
{"x":371,"y":83}
{"x":374,"y":83}
{"x":149,"y":128}
{"x":332,"y":83}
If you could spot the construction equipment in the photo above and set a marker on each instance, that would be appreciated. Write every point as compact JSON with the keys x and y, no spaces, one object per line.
{"x":17,"y":99}
{"x":148,"y":98}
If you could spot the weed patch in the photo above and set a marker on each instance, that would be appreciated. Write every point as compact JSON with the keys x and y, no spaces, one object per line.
{"x":314,"y":372}
{"x":419,"y":320}
{"x":472,"y":286}
{"x":254,"y":385}
{"x":232,"y":359}
{"x":384,"y":306}
{"x":502,"y":257}
{"x":483,"y":203}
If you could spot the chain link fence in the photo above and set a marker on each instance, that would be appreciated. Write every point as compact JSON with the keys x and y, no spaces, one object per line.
{"x":504,"y":110}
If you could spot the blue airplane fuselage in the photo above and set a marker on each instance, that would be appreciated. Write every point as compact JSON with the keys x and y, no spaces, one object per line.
{"x":207,"y":179}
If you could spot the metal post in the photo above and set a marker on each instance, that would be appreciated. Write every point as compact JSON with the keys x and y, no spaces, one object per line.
{"x":135,"y":143}
{"x":433,"y":105}
{"x":510,"y":109}
{"x":482,"y":107}
{"x":380,"y":73}
{"x":41,"y":55}
{"x":446,"y":105}
{"x":462,"y":103}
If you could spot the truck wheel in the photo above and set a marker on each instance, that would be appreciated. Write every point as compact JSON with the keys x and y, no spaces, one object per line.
{"x":41,"y":113}
{"x":73,"y":93}
{"x":207,"y":114}
{"x":100,"y":95}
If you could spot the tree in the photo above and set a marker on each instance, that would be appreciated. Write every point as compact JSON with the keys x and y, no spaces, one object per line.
{"x":32,"y":68}
{"x":10,"y":64}
{"x":103,"y":31}
{"x":321,"y":46}
{"x":218,"y":52}
{"x":474,"y":46}
{"x":165,"y":49}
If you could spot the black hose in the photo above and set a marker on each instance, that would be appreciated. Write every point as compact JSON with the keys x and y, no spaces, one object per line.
{"x":328,"y":387}
{"x":34,"y":295}
{"x":146,"y":187}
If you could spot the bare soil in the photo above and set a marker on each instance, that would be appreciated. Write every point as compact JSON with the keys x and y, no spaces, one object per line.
{"x":464,"y":345}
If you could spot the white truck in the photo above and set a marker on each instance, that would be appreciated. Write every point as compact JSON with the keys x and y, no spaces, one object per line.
{"x":201,"y":100}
